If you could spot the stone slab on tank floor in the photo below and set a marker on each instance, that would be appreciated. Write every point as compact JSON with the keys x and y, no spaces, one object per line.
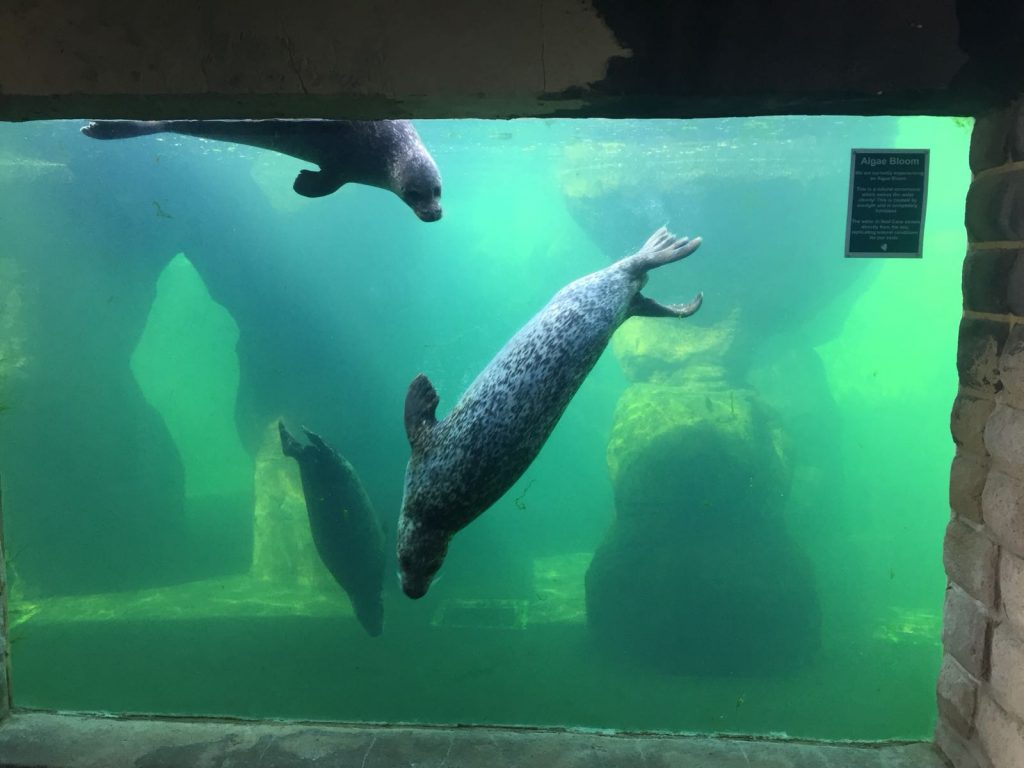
{"x":43,"y":739}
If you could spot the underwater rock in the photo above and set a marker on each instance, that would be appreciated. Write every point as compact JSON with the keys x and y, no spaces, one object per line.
{"x":662,"y":353}
{"x":706,"y":452}
{"x":683,"y":604}
{"x":698,"y":574}
{"x":283,"y":549}
{"x":12,"y":342}
{"x":283,"y":546}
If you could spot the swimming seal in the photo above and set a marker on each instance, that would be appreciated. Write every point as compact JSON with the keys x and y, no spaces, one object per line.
{"x":461,"y":465}
{"x":381,"y":153}
{"x":346,"y":531}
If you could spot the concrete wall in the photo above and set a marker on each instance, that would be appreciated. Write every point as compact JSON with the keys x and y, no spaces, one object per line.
{"x":981,"y":687}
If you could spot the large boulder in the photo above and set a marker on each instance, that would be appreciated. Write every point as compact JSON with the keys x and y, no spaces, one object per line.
{"x":698,"y":573}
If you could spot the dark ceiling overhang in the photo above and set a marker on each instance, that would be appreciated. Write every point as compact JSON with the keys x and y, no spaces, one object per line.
{"x":465,"y":58}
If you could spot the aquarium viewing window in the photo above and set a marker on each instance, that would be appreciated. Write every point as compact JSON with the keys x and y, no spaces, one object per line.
{"x":736,"y":526}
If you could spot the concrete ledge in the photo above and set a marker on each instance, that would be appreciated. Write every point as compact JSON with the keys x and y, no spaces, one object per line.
{"x":79,"y":741}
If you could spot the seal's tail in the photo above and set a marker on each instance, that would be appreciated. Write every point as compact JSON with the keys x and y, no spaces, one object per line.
{"x":122,"y":129}
{"x":661,"y":248}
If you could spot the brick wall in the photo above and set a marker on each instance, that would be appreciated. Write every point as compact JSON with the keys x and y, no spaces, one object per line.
{"x":981,"y":685}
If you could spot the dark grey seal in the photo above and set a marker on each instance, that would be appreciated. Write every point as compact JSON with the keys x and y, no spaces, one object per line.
{"x":461,"y":465}
{"x":346,"y":531}
{"x":381,"y":153}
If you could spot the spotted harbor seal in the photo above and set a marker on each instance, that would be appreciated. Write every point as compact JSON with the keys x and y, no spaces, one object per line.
{"x":381,"y":153}
{"x":461,"y":465}
{"x":346,"y":531}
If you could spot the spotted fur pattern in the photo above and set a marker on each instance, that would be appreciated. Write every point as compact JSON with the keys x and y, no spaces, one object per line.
{"x":460,"y":466}
{"x":381,"y":153}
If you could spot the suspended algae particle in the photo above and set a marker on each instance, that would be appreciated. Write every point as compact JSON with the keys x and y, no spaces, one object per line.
{"x":14,"y":167}
{"x":658,"y":351}
{"x":910,"y":626}
{"x":459,"y":613}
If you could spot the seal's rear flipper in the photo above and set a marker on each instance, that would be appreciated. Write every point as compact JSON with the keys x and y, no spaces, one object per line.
{"x":645,"y":307}
{"x":661,"y":248}
{"x":420,"y":408}
{"x":122,"y":129}
{"x":316,"y":183}
{"x":289,"y":445}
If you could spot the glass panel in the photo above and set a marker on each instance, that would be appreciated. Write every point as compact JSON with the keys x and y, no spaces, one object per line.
{"x":735,"y":526}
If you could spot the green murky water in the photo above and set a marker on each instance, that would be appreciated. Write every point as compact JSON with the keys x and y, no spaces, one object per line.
{"x":736,"y":525}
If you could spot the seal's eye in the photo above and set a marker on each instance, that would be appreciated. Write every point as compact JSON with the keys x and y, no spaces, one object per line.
{"x":437,"y":191}
{"x":412,"y":195}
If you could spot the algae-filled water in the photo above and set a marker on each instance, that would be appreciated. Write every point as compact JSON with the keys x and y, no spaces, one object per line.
{"x":735,"y":526}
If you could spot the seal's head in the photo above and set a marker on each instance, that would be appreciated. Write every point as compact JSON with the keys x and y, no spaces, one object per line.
{"x":418,"y":183}
{"x":420,"y":554}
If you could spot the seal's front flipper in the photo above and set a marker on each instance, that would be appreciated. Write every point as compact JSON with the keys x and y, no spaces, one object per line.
{"x":316,"y":441}
{"x":319,"y":446}
{"x":289,"y":445}
{"x":316,"y":183}
{"x":420,"y":408}
{"x":645,"y":307}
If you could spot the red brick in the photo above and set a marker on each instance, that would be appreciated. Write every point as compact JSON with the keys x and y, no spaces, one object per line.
{"x":977,"y":356}
{"x":1011,"y":590}
{"x":957,"y":696}
{"x":1004,"y":438}
{"x":965,"y":632}
{"x":970,"y":560}
{"x":1011,"y":368}
{"x":959,"y":751}
{"x":990,"y":139}
{"x":1001,"y":735}
{"x":1002,"y":506}
{"x":1007,"y":670}
{"x":967,"y":421}
{"x":995,"y":207}
{"x":967,"y":477}
{"x":986,"y":277}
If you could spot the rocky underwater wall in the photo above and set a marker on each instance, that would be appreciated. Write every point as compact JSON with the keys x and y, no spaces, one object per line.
{"x":698,"y":574}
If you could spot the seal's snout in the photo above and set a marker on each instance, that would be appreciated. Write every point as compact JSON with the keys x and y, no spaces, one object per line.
{"x":415,"y":588}
{"x":429,"y":214}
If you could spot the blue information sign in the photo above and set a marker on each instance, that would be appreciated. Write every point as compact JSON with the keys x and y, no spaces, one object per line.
{"x":885,"y":215}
